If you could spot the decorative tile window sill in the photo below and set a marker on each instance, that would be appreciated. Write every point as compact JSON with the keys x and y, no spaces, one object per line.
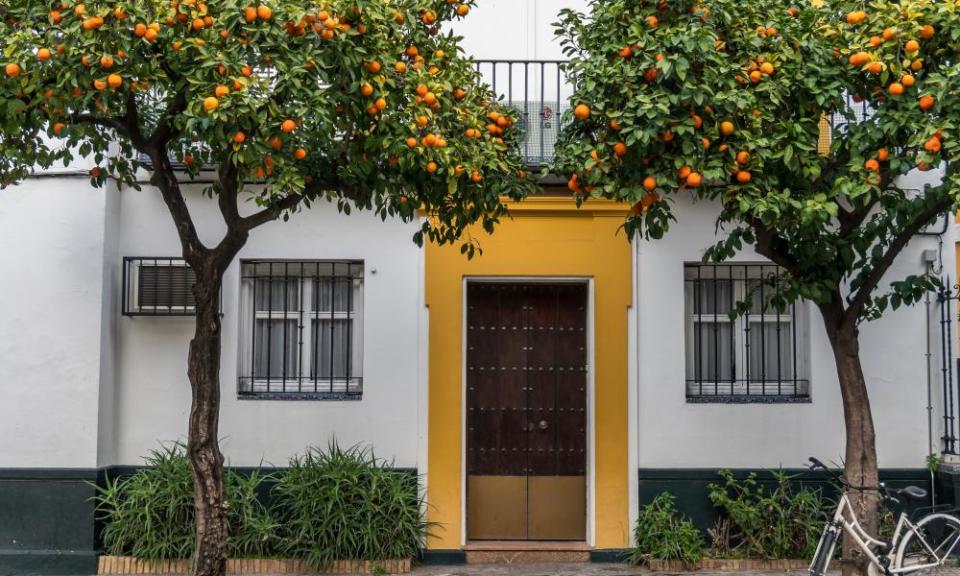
{"x":322,"y":396}
{"x":748,"y":399}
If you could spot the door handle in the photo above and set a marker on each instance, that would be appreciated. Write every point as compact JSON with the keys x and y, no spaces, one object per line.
{"x":543,"y":425}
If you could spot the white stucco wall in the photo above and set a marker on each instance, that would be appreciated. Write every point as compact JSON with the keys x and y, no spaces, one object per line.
{"x":673,"y":433}
{"x":153,"y":395}
{"x":52,"y":231}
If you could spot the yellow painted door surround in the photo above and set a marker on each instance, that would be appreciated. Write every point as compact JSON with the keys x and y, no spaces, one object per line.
{"x":544,"y":237}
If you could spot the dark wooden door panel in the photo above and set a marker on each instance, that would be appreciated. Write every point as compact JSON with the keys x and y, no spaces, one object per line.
{"x":526,"y":408}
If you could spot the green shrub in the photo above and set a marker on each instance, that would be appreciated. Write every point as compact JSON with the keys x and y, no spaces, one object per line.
{"x":150,"y":513}
{"x":782,"y":521}
{"x":662,"y":533}
{"x":342,"y":504}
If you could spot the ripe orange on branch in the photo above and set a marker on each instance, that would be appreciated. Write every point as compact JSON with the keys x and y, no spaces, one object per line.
{"x":581,"y":112}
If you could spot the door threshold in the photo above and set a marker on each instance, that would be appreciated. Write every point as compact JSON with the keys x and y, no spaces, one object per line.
{"x":527,"y":545}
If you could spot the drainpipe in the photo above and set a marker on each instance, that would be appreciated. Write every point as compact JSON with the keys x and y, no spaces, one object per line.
{"x":931,"y":259}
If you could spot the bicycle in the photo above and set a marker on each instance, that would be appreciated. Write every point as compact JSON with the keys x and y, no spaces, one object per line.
{"x":914,"y":547}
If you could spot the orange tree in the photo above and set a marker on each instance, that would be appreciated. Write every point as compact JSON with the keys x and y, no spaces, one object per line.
{"x":722,"y":100}
{"x":364,"y":104}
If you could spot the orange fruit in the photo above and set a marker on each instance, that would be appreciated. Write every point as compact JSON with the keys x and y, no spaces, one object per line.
{"x":250,"y":14}
{"x":58,"y":128}
{"x":911,"y":47}
{"x":422,"y":90}
{"x":883,"y":154}
{"x":55,"y":16}
{"x":756,"y":76}
{"x":932,"y":145}
{"x":44,"y":54}
{"x":625,"y":52}
{"x":916,"y":65}
{"x":221,"y":91}
{"x":114,"y":81}
{"x":400,"y":67}
{"x":615,"y":126}
{"x":652,"y":21}
{"x":210,"y":103}
{"x":411,"y":142}
{"x":366,"y":89}
{"x":926,"y":102}
{"x":381,"y":104}
{"x":264,"y":12}
{"x":476,"y":177}
{"x":927,"y":32}
{"x":767,"y":68}
{"x":459,"y":94}
{"x":908,"y":80}
{"x":412,"y":51}
{"x":889,"y":34}
{"x":374,"y":66}
{"x":895,"y":89}
{"x":151,"y":35}
{"x":694,"y":179}
{"x":875,"y":41}
{"x":727,"y":128}
{"x":743,"y":176}
{"x":620,"y":149}
{"x":856,"y":17}
{"x":875,"y":68}
{"x":100,"y":85}
{"x":697,"y":121}
{"x":581,"y":112}
{"x":431,"y":167}
{"x":13,"y":69}
{"x":684,"y":172}
{"x":872,"y":165}
{"x":299,"y":153}
{"x":239,"y":138}
{"x":743,"y":157}
{"x":463,"y":10}
{"x":288,"y":126}
{"x":650,"y":183}
{"x":246,"y":71}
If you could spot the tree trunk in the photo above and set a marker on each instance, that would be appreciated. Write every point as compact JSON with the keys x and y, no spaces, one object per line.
{"x":203,"y":448}
{"x":861,"y":452}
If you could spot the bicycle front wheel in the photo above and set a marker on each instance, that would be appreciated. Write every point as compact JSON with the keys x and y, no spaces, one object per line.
{"x":939,"y":534}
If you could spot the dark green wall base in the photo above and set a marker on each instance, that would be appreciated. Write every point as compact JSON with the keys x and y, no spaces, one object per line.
{"x":689,"y":485}
{"x":48,"y":563}
{"x":46,"y":521}
{"x":443,"y":557}
{"x":609,"y":556}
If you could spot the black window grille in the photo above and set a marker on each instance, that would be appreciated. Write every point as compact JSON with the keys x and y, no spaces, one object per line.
{"x":756,"y":356}
{"x":157,"y":286}
{"x":302,"y":332}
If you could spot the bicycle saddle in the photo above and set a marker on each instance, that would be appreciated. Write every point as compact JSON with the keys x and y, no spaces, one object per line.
{"x":911,"y":493}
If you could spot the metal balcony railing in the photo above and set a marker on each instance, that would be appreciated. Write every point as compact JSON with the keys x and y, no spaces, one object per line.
{"x":539,"y":90}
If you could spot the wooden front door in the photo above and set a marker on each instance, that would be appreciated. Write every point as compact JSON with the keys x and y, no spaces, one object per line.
{"x":526,"y":411}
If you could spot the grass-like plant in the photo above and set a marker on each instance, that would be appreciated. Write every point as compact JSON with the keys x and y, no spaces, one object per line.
{"x":150,"y":513}
{"x":662,"y":533}
{"x":781,"y":520}
{"x":346,"y":504}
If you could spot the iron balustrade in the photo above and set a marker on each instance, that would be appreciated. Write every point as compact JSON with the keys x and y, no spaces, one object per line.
{"x":301,"y":333}
{"x":540,"y":92}
{"x":157,"y":286}
{"x":739,"y":346}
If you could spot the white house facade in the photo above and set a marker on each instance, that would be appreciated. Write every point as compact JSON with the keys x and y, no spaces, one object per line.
{"x":633,"y":379}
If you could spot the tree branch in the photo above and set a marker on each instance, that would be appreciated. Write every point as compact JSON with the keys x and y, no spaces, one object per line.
{"x":270,"y":213}
{"x":165,"y":179}
{"x":860,"y":297}
{"x":165,"y":131}
{"x":117,"y":124}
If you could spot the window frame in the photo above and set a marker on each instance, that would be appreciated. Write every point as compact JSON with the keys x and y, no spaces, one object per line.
{"x":742,"y":386}
{"x":303,"y":385}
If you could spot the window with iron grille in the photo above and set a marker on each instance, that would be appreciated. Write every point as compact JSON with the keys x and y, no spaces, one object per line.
{"x":302,"y":329}
{"x":757,"y":356}
{"x":157,"y":286}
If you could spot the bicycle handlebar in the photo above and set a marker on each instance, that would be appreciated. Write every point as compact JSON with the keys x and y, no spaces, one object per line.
{"x":816,"y":464}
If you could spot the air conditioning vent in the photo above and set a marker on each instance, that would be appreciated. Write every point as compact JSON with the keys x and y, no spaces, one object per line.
{"x":157,"y":287}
